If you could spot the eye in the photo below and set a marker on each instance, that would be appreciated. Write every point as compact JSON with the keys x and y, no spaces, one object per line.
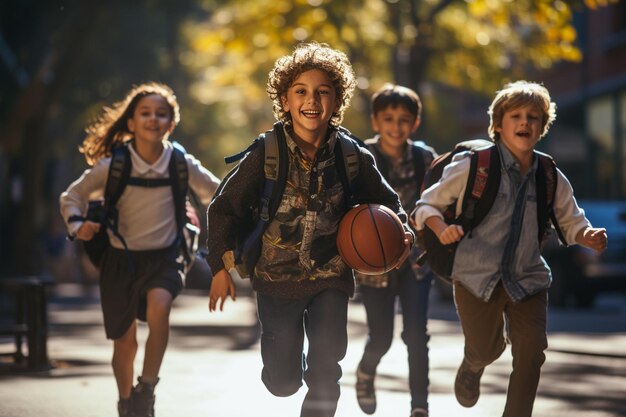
{"x":299,"y":91}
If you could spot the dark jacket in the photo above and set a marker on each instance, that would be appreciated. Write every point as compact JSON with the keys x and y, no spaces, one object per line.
{"x":299,"y":257}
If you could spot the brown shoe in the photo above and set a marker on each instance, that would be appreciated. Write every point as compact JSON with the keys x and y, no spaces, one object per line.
{"x":365,"y":392}
{"x":142,"y":399}
{"x":467,"y":385}
{"x":124,"y":407}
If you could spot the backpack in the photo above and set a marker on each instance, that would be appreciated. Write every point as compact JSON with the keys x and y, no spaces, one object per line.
{"x":275,"y":167}
{"x":480,"y":193}
{"x":105,"y":211}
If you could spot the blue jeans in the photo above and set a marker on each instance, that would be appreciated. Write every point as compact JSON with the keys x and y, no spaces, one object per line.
{"x":380,"y":308}
{"x":284,"y":322}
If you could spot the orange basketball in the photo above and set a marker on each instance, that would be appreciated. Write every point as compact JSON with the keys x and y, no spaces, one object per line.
{"x":370,"y":239}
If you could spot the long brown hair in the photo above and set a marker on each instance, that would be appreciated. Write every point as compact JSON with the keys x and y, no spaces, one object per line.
{"x":111,"y":127}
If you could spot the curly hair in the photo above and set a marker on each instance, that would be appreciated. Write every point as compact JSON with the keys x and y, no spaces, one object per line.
{"x":305,"y":57}
{"x":520,"y":94}
{"x":111,"y":127}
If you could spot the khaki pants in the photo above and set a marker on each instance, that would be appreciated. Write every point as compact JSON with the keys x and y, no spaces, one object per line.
{"x":483,"y":326}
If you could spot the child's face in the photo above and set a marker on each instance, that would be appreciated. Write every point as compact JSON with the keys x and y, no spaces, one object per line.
{"x":311,"y":101}
{"x":152,"y":120}
{"x":394,"y":125}
{"x":521,"y":129}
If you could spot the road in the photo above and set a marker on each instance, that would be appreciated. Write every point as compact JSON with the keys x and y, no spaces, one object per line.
{"x":213,"y":364}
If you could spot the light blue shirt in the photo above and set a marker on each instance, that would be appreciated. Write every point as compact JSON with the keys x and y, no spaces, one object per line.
{"x":504,"y":246}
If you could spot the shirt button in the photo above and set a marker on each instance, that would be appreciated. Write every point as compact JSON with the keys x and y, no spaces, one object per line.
{"x":313,"y":196}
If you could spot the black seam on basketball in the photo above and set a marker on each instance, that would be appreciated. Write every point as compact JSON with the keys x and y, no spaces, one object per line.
{"x":380,"y":242}
{"x":355,"y":246}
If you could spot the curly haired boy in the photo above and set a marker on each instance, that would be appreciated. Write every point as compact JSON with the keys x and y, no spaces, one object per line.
{"x":302,"y":284}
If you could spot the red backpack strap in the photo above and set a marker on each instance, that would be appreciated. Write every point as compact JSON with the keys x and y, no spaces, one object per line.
{"x":482,"y":186}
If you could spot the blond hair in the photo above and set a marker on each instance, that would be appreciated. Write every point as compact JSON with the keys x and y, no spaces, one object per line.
{"x":520,"y":94}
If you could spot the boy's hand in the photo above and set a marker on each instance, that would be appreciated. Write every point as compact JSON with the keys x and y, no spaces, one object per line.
{"x":447,"y":234}
{"x":87,"y":230}
{"x":593,"y":238}
{"x":408,"y":244}
{"x":452,"y":233}
{"x":221,"y":287}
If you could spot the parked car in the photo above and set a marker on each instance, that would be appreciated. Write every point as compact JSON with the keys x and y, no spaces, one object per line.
{"x":578,"y":273}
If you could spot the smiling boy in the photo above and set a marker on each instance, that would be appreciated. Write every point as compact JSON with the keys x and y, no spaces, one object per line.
{"x":302,"y":284}
{"x":500,"y":279}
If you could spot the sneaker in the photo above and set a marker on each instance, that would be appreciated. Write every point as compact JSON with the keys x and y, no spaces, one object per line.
{"x":124,"y":407}
{"x":142,"y":399}
{"x":365,"y":393}
{"x":419,"y":412}
{"x":467,"y":385}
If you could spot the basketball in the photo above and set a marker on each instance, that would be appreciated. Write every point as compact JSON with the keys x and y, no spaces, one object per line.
{"x":370,"y":239}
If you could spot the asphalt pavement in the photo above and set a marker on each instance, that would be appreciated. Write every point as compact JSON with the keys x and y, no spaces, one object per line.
{"x":213,"y":363}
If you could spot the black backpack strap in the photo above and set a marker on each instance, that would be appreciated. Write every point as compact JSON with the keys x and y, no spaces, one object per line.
{"x":421,"y":161}
{"x":546,"y":180}
{"x":119,"y":174}
{"x":381,"y":161}
{"x":179,"y":181}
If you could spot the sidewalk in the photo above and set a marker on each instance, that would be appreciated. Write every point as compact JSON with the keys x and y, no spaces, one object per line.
{"x":213,"y":364}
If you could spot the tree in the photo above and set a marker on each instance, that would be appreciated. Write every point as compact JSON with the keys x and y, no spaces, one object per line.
{"x":58,"y":65}
{"x":473,"y":45}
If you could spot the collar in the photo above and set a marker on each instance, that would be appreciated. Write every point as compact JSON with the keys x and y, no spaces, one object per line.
{"x":329,"y":143}
{"x":509,"y":162}
{"x":406,"y":156}
{"x":160,"y":166}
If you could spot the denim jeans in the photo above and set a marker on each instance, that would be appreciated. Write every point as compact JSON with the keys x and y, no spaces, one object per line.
{"x":380,"y":308}
{"x":284,"y":323}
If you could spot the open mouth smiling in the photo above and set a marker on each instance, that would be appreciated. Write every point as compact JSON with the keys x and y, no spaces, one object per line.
{"x":311,"y":113}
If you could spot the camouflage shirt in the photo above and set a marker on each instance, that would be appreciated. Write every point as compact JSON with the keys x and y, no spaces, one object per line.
{"x":401,"y":175}
{"x":299,"y":256}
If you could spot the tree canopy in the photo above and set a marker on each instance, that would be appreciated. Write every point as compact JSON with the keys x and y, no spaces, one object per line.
{"x":60,"y":62}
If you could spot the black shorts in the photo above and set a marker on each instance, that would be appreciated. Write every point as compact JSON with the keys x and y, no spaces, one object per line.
{"x":123,"y":293}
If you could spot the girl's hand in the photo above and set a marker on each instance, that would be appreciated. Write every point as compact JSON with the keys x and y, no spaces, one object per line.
{"x":87,"y":230}
{"x":408,"y":244}
{"x":192,"y":215}
{"x":221,"y":287}
{"x":593,"y":238}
